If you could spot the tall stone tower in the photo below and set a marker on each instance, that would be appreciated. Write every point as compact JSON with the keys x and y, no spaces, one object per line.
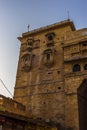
{"x":52,"y":73}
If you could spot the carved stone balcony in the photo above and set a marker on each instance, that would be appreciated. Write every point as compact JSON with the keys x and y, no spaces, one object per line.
{"x":71,"y":57}
{"x":50,"y":43}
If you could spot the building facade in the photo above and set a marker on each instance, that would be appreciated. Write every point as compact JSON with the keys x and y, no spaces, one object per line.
{"x":52,"y":75}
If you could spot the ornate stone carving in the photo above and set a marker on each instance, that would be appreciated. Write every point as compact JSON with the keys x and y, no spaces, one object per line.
{"x":26,"y":62}
{"x":49,"y":57}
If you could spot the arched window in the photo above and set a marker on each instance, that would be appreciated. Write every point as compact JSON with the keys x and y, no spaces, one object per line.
{"x":85,"y":67}
{"x":26,"y":62}
{"x":76,"y":68}
{"x":26,"y":59}
{"x":48,"y":56}
{"x":50,"y":36}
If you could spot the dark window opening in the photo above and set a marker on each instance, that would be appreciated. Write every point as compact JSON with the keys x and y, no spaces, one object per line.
{"x":59,"y":87}
{"x":58,"y":71}
{"x":29,"y":49}
{"x":50,"y":37}
{"x":40,"y":118}
{"x":85,"y":67}
{"x":76,"y":68}
{"x":30,"y":43}
{"x":44,"y":102}
{"x":48,"y":56}
{"x":84,"y":43}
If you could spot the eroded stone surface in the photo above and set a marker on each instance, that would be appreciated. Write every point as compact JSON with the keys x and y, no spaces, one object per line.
{"x":52,"y":65}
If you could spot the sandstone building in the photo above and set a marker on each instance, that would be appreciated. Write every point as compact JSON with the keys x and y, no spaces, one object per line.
{"x":51,"y":78}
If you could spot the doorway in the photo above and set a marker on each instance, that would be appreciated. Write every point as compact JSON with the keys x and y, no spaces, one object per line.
{"x":82,"y":105}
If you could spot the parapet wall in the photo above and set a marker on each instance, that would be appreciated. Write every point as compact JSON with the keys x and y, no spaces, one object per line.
{"x":11,"y":106}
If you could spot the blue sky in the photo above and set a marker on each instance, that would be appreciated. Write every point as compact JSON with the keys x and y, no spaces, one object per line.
{"x":15,"y":15}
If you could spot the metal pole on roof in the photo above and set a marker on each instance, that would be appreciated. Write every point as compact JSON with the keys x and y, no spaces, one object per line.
{"x":68,"y":14}
{"x":28,"y":27}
